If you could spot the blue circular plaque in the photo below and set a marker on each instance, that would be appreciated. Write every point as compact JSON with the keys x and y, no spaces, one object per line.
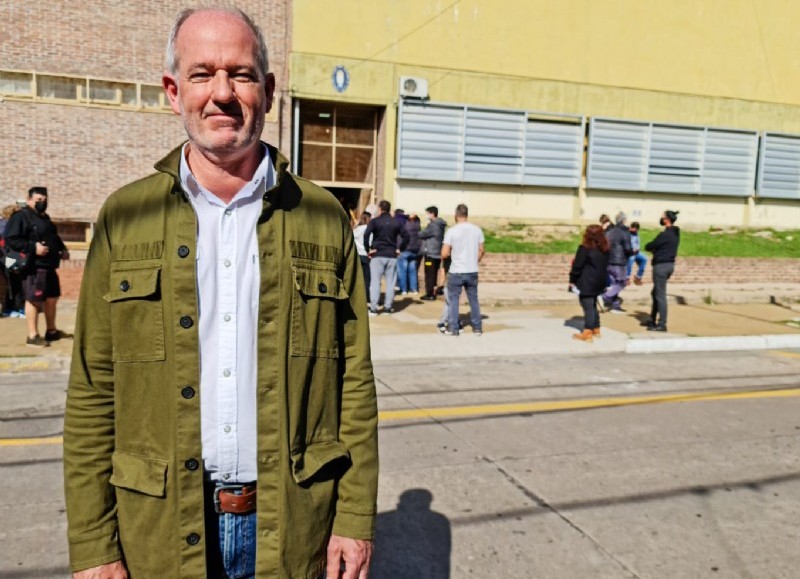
{"x":340,"y":79}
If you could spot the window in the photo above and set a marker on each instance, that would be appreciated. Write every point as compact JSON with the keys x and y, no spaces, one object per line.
{"x":60,"y":87}
{"x":16,"y":83}
{"x":642,"y":156}
{"x":442,"y":142}
{"x":779,"y":167}
{"x":109,"y":92}
{"x":337,"y":143}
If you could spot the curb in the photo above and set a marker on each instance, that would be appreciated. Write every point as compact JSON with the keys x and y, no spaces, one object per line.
{"x":717,"y":344}
{"x":21,"y":365}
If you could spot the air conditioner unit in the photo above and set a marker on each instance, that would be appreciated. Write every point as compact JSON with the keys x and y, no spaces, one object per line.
{"x":414,"y":87}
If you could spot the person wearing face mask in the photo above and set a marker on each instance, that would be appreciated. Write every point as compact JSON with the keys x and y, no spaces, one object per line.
{"x":31,"y":231}
{"x":664,"y":249}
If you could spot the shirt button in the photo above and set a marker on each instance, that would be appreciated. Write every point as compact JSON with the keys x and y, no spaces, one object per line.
{"x":226,"y":476}
{"x":193,"y":538}
{"x":323,"y":289}
{"x":125,"y":285}
{"x":228,"y":212}
{"x":186,"y":322}
{"x":187,"y":392}
{"x":227,"y":317}
{"x":226,"y":373}
{"x":227,"y":428}
{"x":227,"y":263}
{"x":183,"y":251}
{"x":192,"y":464}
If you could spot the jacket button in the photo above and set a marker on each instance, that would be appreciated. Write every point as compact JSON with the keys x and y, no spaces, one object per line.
{"x":187,"y":392}
{"x":125,"y":285}
{"x":186,"y":322}
{"x":193,"y":538}
{"x":183,"y":251}
{"x":191,"y":464}
{"x":323,"y":289}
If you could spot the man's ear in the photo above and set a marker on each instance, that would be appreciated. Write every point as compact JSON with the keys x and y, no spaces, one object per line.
{"x":269,"y":90}
{"x":170,"y":84}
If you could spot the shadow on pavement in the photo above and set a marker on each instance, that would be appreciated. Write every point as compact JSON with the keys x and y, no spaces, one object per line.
{"x":412,"y":542}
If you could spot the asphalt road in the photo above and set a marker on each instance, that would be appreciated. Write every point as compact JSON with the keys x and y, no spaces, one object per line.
{"x":608,"y":466}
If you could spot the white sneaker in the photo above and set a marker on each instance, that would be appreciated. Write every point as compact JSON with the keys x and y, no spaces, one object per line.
{"x":373,"y":313}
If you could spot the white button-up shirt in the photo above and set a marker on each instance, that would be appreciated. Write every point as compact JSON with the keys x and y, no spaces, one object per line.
{"x":228,"y":285}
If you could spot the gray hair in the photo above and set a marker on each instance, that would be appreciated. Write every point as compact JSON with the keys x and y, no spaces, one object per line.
{"x":261,"y":56}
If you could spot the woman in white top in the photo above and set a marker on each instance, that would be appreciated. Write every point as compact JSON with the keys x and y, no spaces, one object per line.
{"x":358,"y":234}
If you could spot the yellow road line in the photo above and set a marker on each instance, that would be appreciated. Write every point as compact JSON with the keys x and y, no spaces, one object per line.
{"x":517,"y":408}
{"x":31,"y":441}
{"x":786,"y":354}
{"x":556,"y":405}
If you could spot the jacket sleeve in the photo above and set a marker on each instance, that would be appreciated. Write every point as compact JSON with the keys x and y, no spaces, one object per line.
{"x":403,"y":239}
{"x":356,"y":503}
{"x":17,"y":236}
{"x":627,"y":246}
{"x":427,"y":232}
{"x":577,"y":265}
{"x":89,"y":419}
{"x":656,"y":243}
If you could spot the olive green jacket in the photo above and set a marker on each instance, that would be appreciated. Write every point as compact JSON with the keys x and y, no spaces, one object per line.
{"x":132,"y":447}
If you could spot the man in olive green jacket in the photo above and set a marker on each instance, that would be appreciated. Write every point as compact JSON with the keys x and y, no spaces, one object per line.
{"x":134,"y":476}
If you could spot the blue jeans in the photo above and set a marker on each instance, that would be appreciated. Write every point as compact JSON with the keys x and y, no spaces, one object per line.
{"x":382,"y":267}
{"x":641,"y":263}
{"x":469,"y":281}
{"x":230,"y":543}
{"x":407,"y":272}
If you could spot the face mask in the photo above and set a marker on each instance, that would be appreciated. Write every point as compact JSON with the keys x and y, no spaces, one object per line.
{"x":41,"y":206}
{"x":662,"y":221}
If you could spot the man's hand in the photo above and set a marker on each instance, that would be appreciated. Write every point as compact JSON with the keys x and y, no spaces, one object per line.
{"x":115,"y":570}
{"x":42,"y":249}
{"x":355,"y":554}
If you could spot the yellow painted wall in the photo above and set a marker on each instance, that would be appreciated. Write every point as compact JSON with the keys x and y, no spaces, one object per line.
{"x":725,"y":63}
{"x":741,"y":49}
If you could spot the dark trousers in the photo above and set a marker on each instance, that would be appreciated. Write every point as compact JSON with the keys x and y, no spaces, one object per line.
{"x":591,"y":319}
{"x":365,"y":268}
{"x":431,"y":271}
{"x":661,"y":273}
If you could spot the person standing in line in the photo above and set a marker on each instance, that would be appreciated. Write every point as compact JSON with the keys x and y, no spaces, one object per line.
{"x":432,"y":238}
{"x":638,"y":257}
{"x":221,"y":416}
{"x":587,"y":278}
{"x":407,"y":264}
{"x":664,"y":249}
{"x":30,"y":230}
{"x":464,"y":244}
{"x":619,"y":242}
{"x":384,"y":239}
{"x":358,"y":235}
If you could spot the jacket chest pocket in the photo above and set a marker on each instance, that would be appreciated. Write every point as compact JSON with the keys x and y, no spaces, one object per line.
{"x":318,"y":291}
{"x":137,"y":314}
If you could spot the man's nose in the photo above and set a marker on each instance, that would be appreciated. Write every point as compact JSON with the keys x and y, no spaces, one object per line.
{"x":222,"y":87}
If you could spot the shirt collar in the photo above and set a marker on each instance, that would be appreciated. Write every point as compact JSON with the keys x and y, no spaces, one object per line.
{"x":263,"y":180}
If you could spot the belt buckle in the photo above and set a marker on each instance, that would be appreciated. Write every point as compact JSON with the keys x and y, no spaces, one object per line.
{"x":218,"y":489}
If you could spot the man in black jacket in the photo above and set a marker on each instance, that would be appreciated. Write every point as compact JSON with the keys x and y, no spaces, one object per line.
{"x":432,"y":238}
{"x":664,"y":249}
{"x":31,"y":231}
{"x":384,"y":239}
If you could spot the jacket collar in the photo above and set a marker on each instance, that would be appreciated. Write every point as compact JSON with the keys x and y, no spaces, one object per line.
{"x":172,"y":162}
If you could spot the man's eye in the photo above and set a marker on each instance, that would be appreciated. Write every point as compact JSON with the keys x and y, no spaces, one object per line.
{"x":244,"y":77}
{"x":199,"y":76}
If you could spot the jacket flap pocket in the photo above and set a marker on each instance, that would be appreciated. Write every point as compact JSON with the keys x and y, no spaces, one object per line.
{"x":307,"y":463}
{"x":319,"y":283}
{"x":139,"y":473}
{"x":133,"y":284}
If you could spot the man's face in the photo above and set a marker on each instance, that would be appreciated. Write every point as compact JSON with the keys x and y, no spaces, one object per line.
{"x":431,"y":216}
{"x":218,"y":91}
{"x":34,"y":199}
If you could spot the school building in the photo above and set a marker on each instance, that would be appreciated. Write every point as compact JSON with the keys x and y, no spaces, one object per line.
{"x":528,"y":110}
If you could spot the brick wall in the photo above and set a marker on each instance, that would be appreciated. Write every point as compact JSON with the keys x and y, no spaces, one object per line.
{"x":532,"y":268}
{"x":80,"y":153}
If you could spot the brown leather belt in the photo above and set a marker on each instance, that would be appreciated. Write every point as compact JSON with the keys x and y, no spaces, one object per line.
{"x":235,"y":499}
